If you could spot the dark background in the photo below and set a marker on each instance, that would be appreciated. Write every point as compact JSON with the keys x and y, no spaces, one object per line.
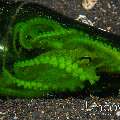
{"x":105,"y":14}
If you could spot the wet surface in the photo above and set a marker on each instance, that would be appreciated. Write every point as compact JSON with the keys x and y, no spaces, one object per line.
{"x":105,"y":15}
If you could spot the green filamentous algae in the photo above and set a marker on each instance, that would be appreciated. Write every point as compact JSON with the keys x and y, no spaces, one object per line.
{"x":47,"y":52}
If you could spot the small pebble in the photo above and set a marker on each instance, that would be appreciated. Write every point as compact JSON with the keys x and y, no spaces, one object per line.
{"x":118,"y":113}
{"x":88,"y":4}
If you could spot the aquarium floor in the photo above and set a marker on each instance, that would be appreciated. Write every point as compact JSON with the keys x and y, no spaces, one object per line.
{"x":105,"y":15}
{"x":89,"y":108}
